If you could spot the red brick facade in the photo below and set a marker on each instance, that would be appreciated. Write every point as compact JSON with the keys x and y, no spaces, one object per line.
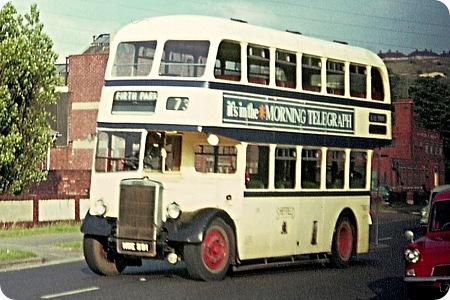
{"x":70,"y":166}
{"x":415,"y":160}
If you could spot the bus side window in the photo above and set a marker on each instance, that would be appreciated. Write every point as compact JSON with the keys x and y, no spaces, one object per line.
{"x":228,"y":61}
{"x":311,"y":160}
{"x":335,"y":169}
{"x":134,"y":58}
{"x":358,"y":82}
{"x":311,"y":69}
{"x":184,"y":58}
{"x":358,"y":164}
{"x":258,"y":60}
{"x":377,"y":85}
{"x":335,"y":77}
{"x":285,"y":161}
{"x":215,"y":159}
{"x":257,"y":167}
{"x":286,"y":69}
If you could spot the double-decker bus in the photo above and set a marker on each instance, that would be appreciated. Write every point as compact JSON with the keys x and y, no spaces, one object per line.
{"x":230,"y":146}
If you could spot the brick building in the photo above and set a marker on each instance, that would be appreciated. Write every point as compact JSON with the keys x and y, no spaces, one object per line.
{"x":415,"y":160}
{"x":70,"y":159}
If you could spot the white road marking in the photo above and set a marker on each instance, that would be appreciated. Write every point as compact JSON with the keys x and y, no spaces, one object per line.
{"x":74,"y":292}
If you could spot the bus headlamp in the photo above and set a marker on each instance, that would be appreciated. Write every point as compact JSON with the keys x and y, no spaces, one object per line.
{"x":99,"y":208}
{"x":412,"y":255}
{"x":173,"y":211}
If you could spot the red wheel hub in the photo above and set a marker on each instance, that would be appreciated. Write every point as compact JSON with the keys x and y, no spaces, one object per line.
{"x":214,"y":249}
{"x":345,"y":239}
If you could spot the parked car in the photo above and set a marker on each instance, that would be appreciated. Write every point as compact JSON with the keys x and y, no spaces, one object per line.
{"x":382,"y":192}
{"x":427,"y":268}
{"x":424,"y":211}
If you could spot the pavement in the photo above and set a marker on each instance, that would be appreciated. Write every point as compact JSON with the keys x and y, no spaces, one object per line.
{"x":45,"y":246}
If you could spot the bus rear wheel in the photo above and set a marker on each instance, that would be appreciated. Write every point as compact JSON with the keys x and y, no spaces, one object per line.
{"x":97,"y":257}
{"x":343,"y":243}
{"x":210,"y":260}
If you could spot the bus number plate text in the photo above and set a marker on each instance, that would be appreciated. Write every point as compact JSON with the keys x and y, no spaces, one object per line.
{"x":135,"y":246}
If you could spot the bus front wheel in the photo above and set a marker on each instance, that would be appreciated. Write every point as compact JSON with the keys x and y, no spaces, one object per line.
{"x":97,"y":257}
{"x":343,"y":243}
{"x":210,"y":260}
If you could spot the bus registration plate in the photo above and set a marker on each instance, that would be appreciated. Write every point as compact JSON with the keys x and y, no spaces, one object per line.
{"x":135,"y":246}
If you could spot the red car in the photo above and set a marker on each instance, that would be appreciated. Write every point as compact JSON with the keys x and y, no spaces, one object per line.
{"x":427,"y":269}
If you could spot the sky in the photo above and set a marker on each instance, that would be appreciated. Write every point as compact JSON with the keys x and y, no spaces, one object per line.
{"x":378,"y":25}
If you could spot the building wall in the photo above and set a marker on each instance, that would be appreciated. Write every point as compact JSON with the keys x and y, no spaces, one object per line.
{"x":415,"y":160}
{"x":69,"y":167}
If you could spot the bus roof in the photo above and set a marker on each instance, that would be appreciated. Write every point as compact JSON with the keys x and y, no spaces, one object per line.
{"x":213,"y":28}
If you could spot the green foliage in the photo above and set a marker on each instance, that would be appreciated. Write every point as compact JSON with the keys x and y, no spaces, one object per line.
{"x":431,"y":103}
{"x":27,"y":85}
{"x":432,"y":109}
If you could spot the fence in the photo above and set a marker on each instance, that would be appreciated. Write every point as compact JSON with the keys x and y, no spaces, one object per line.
{"x":36,"y":209}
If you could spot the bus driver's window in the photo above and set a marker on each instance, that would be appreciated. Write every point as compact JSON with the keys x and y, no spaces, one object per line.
{"x":162,"y":150}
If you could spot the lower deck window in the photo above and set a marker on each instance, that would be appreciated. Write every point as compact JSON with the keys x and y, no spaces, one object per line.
{"x":257,"y":167}
{"x":335,"y":169}
{"x":358,"y":164}
{"x":285,"y":161}
{"x":311,"y":168}
{"x":215,"y":159}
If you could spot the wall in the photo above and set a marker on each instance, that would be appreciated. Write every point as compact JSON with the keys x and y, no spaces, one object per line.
{"x":32,"y":210}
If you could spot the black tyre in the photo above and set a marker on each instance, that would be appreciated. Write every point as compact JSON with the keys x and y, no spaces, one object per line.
{"x":343,"y":243}
{"x":98,"y":258}
{"x":210,"y":260}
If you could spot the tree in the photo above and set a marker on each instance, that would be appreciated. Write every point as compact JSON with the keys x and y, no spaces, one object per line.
{"x":431,"y":103}
{"x":432,"y":109}
{"x":27,"y":85}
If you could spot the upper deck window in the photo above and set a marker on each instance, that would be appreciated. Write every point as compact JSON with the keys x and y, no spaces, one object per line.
{"x":184,"y":58}
{"x":134,"y":58}
{"x":358,"y":82}
{"x":311,"y":68}
{"x":286,"y":69}
{"x":335,"y":77}
{"x":377,"y":85}
{"x":258,"y":60}
{"x":228,"y":61}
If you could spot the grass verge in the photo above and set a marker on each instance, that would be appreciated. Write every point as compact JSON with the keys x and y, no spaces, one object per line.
{"x":59,"y":227}
{"x":14,"y":254}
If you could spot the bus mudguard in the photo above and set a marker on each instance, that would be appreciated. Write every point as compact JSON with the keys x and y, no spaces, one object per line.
{"x":93,"y":225}
{"x":190,"y":227}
